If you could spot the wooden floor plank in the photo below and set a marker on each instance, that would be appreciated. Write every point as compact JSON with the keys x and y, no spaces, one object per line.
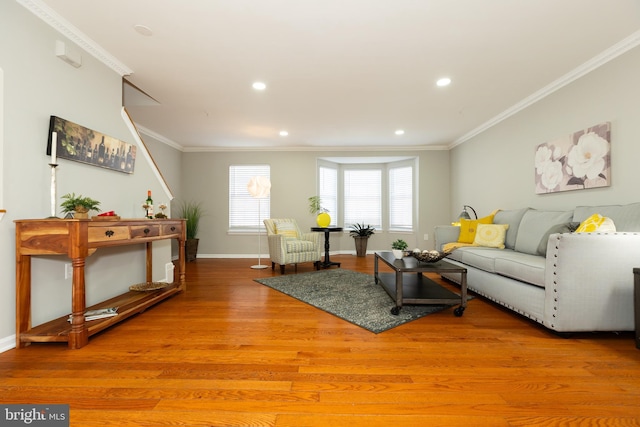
{"x":232,"y":352}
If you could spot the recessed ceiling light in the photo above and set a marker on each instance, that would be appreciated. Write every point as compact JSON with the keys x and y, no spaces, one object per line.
{"x":399,"y":132}
{"x":143,"y":29}
{"x":445,"y":81}
{"x":284,"y":133}
{"x":259,"y":86}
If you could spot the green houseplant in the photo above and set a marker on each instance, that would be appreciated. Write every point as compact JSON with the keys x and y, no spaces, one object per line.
{"x":192,"y":212}
{"x":398,"y":247}
{"x":79,"y":205}
{"x":315,"y":207}
{"x":361,"y":234}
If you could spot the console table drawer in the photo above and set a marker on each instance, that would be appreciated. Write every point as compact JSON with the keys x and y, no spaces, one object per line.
{"x":107,"y":234}
{"x":171,"y":229}
{"x":142,"y":231}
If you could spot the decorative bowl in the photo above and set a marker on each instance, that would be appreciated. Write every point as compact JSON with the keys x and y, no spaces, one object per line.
{"x":431,"y":256}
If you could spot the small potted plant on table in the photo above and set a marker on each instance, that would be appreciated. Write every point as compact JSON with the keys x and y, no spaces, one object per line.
{"x":398,"y":247}
{"x":80,"y":206}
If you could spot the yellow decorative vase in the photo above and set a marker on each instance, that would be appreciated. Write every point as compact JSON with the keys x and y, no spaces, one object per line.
{"x":323,"y":219}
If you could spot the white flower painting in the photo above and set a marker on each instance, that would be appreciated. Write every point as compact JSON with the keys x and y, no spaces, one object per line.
{"x":575,"y":162}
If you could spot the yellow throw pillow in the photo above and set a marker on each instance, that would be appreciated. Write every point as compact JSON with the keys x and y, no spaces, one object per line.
{"x":491,"y":235}
{"x":468,"y":228}
{"x":597,"y":222}
{"x":287,"y":229}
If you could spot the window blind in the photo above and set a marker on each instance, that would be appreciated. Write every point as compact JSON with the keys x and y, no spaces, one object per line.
{"x":363,"y":197}
{"x":328,"y":191}
{"x":246,"y":213}
{"x":401,"y":198}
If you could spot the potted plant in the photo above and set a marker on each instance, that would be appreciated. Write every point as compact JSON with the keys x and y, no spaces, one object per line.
{"x":79,"y":205}
{"x":315,"y":207}
{"x":192,"y":212}
{"x":361,"y":234}
{"x":398,"y":247}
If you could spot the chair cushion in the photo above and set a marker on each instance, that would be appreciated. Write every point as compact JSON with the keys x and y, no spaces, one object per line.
{"x":297,"y":246}
{"x":286,"y":228}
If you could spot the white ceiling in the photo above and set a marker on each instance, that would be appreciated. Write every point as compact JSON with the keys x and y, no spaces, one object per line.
{"x":342,"y":73}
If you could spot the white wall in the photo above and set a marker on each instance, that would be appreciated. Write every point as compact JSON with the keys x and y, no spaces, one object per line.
{"x":37,"y":85}
{"x":496,"y":168}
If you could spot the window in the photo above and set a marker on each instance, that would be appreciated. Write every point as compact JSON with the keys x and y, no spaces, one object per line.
{"x":378,"y":193}
{"x":246,"y":213}
{"x":363,"y":197}
{"x":401,"y":198}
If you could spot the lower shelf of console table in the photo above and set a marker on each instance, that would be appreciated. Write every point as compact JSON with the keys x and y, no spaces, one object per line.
{"x":129,"y":304}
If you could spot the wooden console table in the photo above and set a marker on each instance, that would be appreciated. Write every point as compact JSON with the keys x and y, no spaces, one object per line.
{"x":78,"y":239}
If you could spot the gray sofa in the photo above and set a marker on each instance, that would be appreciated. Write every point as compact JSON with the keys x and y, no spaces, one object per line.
{"x":584,"y":281}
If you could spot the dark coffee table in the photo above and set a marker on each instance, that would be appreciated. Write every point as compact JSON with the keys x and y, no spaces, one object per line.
{"x":407,"y":285}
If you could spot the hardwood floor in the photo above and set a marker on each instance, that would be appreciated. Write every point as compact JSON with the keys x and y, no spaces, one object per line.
{"x":231,"y":352}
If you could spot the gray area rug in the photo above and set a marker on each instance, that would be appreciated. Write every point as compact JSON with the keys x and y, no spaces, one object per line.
{"x":352,"y":296}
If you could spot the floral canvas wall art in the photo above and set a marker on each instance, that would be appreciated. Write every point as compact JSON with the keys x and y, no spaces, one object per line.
{"x":577,"y":161}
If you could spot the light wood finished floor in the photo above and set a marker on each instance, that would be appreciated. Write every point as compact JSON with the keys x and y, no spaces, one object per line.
{"x":231,"y":352}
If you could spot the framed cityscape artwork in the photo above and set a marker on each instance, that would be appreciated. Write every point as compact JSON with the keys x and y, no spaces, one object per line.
{"x":577,"y":161}
{"x":80,"y":144}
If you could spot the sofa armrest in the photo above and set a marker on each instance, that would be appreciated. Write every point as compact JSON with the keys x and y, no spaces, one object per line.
{"x":446,"y":234}
{"x":589,"y":281}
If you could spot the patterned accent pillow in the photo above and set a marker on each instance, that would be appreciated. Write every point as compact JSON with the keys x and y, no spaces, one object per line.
{"x":597,"y":222}
{"x":491,"y":235}
{"x":287,"y":229}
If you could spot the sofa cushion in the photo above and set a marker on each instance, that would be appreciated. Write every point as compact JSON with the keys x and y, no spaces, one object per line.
{"x":534,"y":225}
{"x":524,"y":267}
{"x":513,"y":218}
{"x":479,"y":257}
{"x":491,"y":235}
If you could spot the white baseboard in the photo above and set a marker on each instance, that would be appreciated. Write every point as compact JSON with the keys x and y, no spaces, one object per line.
{"x":7,"y":343}
{"x":266,"y":256}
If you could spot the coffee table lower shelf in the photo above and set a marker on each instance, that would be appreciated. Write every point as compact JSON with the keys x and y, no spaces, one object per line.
{"x":419,"y":289}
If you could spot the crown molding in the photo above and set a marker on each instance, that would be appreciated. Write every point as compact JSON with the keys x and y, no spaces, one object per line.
{"x":64,"y":27}
{"x":294,"y":148}
{"x":597,"y":61}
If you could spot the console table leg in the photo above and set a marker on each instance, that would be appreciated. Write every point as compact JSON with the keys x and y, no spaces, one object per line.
{"x":79,"y":336}
{"x":23,"y":297}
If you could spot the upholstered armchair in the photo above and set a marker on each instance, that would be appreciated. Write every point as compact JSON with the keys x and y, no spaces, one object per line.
{"x":288,"y":245}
